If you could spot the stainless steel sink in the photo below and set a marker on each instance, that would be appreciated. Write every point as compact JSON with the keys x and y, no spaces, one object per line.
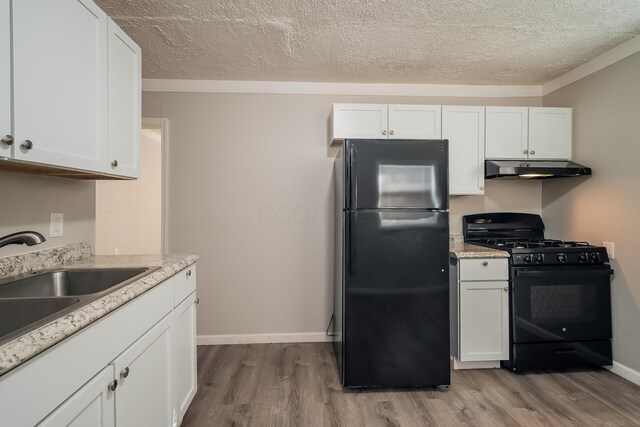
{"x":15,"y":314}
{"x":62,"y":283}
{"x":32,"y":300}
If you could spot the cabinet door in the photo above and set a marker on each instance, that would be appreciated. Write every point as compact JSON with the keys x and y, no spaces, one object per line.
{"x":5,"y":77}
{"x":59,"y":60}
{"x":143,"y":397}
{"x":464,"y":128}
{"x":550,"y":133}
{"x":360,"y":121}
{"x":484,"y":321}
{"x":124,"y":104}
{"x":92,"y":405}
{"x":415,"y":122}
{"x":183,"y":333}
{"x":506,"y":132}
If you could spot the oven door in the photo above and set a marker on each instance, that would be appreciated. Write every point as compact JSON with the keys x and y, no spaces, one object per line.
{"x":552,"y":304}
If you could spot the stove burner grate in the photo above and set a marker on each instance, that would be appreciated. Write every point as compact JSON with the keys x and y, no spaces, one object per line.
{"x":534,"y":243}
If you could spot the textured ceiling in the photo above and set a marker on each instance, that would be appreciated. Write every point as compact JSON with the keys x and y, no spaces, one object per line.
{"x":391,"y":41}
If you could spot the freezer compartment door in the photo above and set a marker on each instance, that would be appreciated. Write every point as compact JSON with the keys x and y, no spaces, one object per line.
{"x":397,"y":174}
{"x":396,"y":301}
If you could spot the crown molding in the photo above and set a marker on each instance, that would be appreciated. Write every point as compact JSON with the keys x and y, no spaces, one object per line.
{"x":321,"y":88}
{"x":609,"y":57}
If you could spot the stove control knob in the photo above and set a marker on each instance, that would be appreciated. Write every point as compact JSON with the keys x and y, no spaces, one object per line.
{"x":527,"y":259}
{"x":562,"y":258}
{"x":582,"y":257}
{"x":594,"y":257}
{"x":540,"y":258}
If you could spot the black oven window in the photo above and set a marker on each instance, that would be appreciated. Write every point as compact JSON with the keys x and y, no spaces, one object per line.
{"x":563,"y":303}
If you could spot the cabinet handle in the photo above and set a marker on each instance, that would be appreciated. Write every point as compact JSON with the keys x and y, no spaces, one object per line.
{"x":27,"y":145}
{"x":481,"y":187}
{"x":485,"y":263}
{"x":125,"y":372}
{"x":384,"y":132}
{"x":506,"y":289}
{"x":525,"y":152}
{"x":197,"y":301}
{"x":113,"y":385}
{"x":188,"y":273}
{"x":533,"y":152}
{"x":8,"y":139}
{"x":114,"y":164}
{"x":391,"y":132}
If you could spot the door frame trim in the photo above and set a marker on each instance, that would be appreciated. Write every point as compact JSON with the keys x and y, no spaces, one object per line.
{"x":164,"y":143}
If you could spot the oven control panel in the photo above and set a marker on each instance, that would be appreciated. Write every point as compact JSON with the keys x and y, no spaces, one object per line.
{"x":588,"y":256}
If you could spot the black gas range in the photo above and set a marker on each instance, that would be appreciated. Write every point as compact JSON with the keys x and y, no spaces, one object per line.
{"x":560,"y":299}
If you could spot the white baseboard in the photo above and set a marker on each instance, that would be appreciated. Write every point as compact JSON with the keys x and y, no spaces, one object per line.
{"x":625,"y":372}
{"x":262,"y":338}
{"x":492,"y":364}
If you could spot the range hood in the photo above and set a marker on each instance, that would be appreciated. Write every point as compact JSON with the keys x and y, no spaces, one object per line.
{"x":533,"y":169}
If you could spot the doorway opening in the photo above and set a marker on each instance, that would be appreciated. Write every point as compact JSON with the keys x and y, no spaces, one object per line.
{"x":130,"y":215}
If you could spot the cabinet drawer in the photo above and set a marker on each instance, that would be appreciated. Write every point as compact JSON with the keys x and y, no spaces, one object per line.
{"x":484,"y":269}
{"x":185,"y":284}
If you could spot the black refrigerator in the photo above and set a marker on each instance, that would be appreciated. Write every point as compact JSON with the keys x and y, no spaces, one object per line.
{"x":391,"y":296}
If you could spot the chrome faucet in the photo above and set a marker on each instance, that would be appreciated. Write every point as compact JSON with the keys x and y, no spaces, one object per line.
{"x":28,"y":238}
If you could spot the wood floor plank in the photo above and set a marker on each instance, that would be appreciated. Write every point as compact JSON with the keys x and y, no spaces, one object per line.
{"x":298,"y":385}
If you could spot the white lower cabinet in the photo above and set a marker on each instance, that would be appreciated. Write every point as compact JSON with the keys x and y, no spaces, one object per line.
{"x":479,"y":311}
{"x":183,"y":329}
{"x":484,"y":321}
{"x":92,"y":405}
{"x":134,"y":367}
{"x":143,"y":372}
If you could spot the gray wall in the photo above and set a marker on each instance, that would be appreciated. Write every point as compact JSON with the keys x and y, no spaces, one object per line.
{"x":606,"y":136}
{"x":250,"y":190}
{"x":28,"y":200}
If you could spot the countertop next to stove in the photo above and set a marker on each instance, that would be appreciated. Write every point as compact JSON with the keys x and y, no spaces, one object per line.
{"x":459,"y":249}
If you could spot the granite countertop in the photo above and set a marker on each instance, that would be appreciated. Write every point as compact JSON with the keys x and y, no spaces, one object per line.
{"x":459,"y":249}
{"x":29,"y":345}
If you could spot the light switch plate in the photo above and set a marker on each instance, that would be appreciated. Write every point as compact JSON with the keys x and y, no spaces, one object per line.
{"x":57,"y":224}
{"x":611,"y":249}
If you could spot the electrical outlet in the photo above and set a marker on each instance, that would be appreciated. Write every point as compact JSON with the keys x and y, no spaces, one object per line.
{"x":57,"y":225}
{"x":610,"y":249}
{"x":116,"y":251}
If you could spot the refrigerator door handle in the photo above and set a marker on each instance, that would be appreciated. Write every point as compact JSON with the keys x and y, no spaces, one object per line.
{"x":354,"y":182}
{"x":351,"y":260}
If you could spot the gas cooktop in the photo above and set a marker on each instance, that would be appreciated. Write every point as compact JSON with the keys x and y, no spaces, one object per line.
{"x":533,"y":243}
{"x":523,"y":236}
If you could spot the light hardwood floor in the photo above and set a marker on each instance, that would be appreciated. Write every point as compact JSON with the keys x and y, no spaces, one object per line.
{"x":297,"y":385}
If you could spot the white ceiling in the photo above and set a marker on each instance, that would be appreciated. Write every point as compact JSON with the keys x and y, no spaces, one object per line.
{"x":386,"y":41}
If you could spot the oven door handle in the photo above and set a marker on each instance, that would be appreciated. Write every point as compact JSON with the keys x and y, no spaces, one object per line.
{"x":590,"y":272}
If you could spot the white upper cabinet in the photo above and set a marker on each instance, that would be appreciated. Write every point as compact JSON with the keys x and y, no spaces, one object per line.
{"x":464,"y":128}
{"x":506,"y":132}
{"x":59,"y":83}
{"x":415,"y":122}
{"x":5,"y":78}
{"x":382,"y":121}
{"x":535,"y":133}
{"x":549,"y":133}
{"x":359,"y":121}
{"x":124,"y":91}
